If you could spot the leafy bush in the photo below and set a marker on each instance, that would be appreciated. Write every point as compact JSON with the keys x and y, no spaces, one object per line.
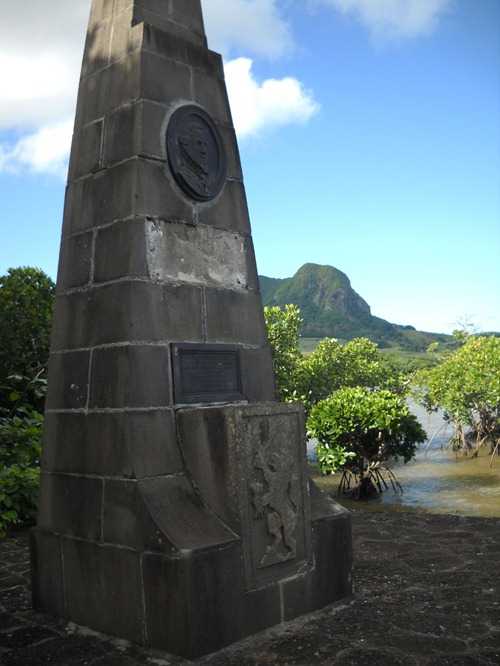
{"x":332,"y":366}
{"x":17,"y":391}
{"x":466,"y":385}
{"x":309,"y":379}
{"x":283,"y":326}
{"x":26,"y":299}
{"x":20,"y":449}
{"x":18,"y":496}
{"x":359,"y":430}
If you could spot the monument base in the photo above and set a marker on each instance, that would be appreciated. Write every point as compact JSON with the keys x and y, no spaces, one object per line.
{"x":237,"y":542}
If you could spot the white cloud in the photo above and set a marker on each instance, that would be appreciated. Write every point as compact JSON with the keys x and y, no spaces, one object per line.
{"x":45,"y":150}
{"x":393,"y":19}
{"x":39,"y":75}
{"x":41,"y":45}
{"x":255,"y":106}
{"x":272,"y":103}
{"x":254,"y":26}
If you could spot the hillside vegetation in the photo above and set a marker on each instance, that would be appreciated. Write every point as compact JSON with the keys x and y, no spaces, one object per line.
{"x":331,"y":308}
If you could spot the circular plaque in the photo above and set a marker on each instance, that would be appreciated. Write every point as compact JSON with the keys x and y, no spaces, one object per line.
{"x":195,"y":153}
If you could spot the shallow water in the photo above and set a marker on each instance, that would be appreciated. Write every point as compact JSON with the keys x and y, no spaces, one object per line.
{"x":439,"y":482}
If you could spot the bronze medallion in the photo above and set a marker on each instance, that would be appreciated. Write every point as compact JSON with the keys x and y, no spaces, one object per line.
{"x":195,"y":153}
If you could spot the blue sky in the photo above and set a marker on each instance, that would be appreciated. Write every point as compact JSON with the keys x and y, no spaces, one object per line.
{"x":369,"y":133}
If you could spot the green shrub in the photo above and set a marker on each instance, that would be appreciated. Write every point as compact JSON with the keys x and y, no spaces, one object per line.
{"x":26,"y":300}
{"x":359,"y":430}
{"x":18,"y":496}
{"x":20,"y":450}
{"x":283,"y":326}
{"x":332,"y":366}
{"x":466,"y":385}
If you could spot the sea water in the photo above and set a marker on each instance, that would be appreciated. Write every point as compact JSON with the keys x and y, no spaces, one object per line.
{"x":438,"y":480}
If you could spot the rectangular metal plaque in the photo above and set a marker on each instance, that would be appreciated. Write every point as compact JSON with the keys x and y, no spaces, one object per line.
{"x":206,"y":373}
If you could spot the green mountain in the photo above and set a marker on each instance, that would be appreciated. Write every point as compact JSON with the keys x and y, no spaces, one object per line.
{"x":331,"y":308}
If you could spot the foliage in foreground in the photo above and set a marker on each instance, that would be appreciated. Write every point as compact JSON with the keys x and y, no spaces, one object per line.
{"x":355,"y":400}
{"x":359,"y":430}
{"x":331,"y":366}
{"x":26,"y":299}
{"x":20,"y":449}
{"x":466,"y":385}
{"x":283,"y":330}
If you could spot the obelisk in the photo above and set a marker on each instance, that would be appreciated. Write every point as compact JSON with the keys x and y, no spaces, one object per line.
{"x":175,"y":506}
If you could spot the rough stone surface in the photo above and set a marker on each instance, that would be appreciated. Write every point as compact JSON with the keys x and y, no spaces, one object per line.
{"x":114,"y":443}
{"x":425,"y":595}
{"x":131,"y":376}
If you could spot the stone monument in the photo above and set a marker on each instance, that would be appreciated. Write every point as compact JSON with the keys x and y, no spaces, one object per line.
{"x":175,"y":507}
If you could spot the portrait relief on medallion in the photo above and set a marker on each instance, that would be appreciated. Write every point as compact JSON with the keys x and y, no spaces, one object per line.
{"x":195,"y":153}
{"x":275,"y":496}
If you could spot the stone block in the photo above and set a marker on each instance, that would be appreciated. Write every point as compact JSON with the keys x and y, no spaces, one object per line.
{"x":68,"y":380}
{"x":228,"y":211}
{"x":126,"y":36}
{"x":258,"y":375}
{"x":110,"y":195}
{"x":299,"y":596}
{"x":152,"y":442}
{"x":101,"y":199}
{"x":70,"y":505}
{"x":70,"y":321}
{"x":232,"y":152}
{"x":145,"y":312}
{"x":103,"y":588}
{"x":181,"y":515}
{"x":174,"y":46}
{"x":332,"y":545}
{"x":135,"y":129}
{"x":75,"y":262}
{"x":86,"y":152}
{"x":330,"y":580}
{"x":101,"y":10}
{"x":262,"y":609}
{"x":47,"y":572}
{"x":109,"y":88}
{"x":122,"y":130}
{"x":198,"y":255}
{"x":127,"y":312}
{"x":131,"y":376}
{"x":181,"y":620}
{"x":253,"y":278}
{"x":158,"y":197}
{"x":210,"y":93}
{"x":84,"y":444}
{"x":126,"y":520}
{"x":128,"y":445}
{"x":97,"y":43}
{"x":164,"y":17}
{"x":120,"y":251}
{"x":152,"y":136}
{"x":210,"y":459}
{"x":169,"y":27}
{"x":159,"y":7}
{"x":163,"y":80}
{"x":234,"y":316}
{"x":189,"y":14}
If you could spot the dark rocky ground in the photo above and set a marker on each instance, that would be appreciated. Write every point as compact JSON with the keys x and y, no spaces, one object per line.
{"x":427,"y":593}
